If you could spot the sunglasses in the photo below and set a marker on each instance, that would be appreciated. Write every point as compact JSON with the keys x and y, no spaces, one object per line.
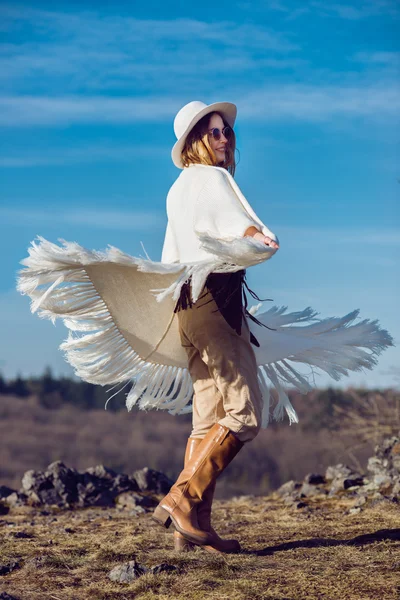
{"x":216,"y":133}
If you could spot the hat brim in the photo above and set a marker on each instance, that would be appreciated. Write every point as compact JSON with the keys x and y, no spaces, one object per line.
{"x":228,"y":111}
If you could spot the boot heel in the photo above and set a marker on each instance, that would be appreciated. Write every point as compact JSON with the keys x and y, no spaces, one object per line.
{"x":181,"y":544}
{"x":162,"y":516}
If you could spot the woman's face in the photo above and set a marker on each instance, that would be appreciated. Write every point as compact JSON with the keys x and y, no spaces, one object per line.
{"x":217,"y":145}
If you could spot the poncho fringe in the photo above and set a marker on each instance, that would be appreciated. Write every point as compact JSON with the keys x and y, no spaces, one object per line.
{"x":58,"y":282}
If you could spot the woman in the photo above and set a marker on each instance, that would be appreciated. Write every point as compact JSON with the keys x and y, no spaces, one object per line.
{"x":227,"y":401}
{"x":179,"y":329}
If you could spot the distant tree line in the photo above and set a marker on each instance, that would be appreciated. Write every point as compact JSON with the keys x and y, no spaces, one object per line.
{"x":52,"y":392}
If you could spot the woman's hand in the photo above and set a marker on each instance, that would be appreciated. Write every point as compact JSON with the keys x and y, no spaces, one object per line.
{"x":257,"y":235}
{"x":266,"y":239}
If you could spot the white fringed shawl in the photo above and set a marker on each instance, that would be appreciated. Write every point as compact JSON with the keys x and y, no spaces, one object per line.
{"x":122,"y":328}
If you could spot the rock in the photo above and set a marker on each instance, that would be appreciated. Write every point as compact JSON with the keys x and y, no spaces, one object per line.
{"x":163,"y":568}
{"x":314,"y":479}
{"x":386,"y":460}
{"x":127,"y":572}
{"x":396,"y":456}
{"x":288,"y":488}
{"x":338,"y":471}
{"x":371,"y":486}
{"x":354,"y":510}
{"x":15,"y":499}
{"x":130,"y":571}
{"x":361,"y":500}
{"x":383,"y":481}
{"x":92,"y":495}
{"x":57,"y":485}
{"x":130,"y":500}
{"x":377,"y":498}
{"x":351,"y":482}
{"x":374,"y":465}
{"x":4,"y":509}
{"x":124,"y":483}
{"x":5,"y":491}
{"x":137,"y":510}
{"x":37,"y":562}
{"x":396,"y":490}
{"x":345,"y":483}
{"x":101,"y":472}
{"x":308,"y":490}
{"x":23,"y":535}
{"x":5,"y":596}
{"x":68,"y":488}
{"x":29,"y":480}
{"x":96,"y":486}
{"x":64,"y":481}
{"x":289,"y":500}
{"x":337,"y":485}
{"x":9,"y":566}
{"x":149,"y":480}
{"x":100,"y":486}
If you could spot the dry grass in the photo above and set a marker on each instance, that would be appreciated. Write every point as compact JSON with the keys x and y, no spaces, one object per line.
{"x":288,"y":554}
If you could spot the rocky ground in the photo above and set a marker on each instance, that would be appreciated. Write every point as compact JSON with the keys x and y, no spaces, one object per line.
{"x":69,"y":535}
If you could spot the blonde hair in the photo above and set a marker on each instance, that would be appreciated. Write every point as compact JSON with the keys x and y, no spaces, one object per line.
{"x":197,"y":147}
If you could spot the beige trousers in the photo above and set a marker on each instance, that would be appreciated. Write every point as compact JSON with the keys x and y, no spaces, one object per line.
{"x":223,"y":369}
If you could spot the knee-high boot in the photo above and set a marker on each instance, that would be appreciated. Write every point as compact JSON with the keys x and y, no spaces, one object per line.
{"x":215,"y":451}
{"x":181,"y":544}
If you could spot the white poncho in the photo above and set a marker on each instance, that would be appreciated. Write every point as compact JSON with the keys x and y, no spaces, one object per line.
{"x":119,"y":311}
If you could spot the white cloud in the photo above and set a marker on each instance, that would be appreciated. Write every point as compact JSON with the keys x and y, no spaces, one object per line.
{"x":385,"y":65}
{"x":372,"y":238}
{"x":284,"y":102}
{"x":87,"y":154}
{"x":90,"y":26}
{"x":363,"y":9}
{"x":90,"y":51}
{"x":76,"y":58}
{"x":124,"y":70}
{"x":319,"y":103}
{"x":378,"y":58}
{"x":45,"y":110}
{"x":134,"y":220}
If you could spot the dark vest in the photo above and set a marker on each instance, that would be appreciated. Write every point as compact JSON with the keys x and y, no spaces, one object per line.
{"x":227,"y":289}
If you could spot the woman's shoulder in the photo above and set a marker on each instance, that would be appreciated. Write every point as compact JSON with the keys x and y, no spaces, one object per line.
{"x":200,"y":168}
{"x":199,"y":175}
{"x":207,"y":173}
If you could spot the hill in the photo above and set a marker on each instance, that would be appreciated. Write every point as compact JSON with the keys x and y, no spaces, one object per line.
{"x":334,"y":427}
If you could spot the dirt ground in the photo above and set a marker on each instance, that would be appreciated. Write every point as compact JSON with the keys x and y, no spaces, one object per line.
{"x":318,"y":551}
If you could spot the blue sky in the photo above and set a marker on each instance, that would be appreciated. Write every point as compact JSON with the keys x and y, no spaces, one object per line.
{"x":88,"y":94}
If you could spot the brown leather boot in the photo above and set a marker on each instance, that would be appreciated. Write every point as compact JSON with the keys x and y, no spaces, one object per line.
{"x":181,"y":544}
{"x":215,"y":451}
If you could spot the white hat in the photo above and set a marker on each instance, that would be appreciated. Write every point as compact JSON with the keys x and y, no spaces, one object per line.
{"x":189,"y":115}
